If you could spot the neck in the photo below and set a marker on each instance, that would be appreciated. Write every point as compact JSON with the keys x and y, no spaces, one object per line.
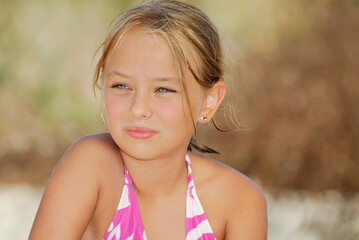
{"x":153,"y":178}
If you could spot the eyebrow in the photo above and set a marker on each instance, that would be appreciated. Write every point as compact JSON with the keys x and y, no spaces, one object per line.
{"x":160,"y":79}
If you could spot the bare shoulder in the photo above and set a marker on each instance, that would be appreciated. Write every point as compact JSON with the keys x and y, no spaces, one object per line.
{"x":97,"y":145}
{"x":89,"y":154}
{"x":74,"y":187}
{"x":92,"y":152}
{"x":224,"y":178}
{"x":242,"y":201}
{"x":94,"y":145}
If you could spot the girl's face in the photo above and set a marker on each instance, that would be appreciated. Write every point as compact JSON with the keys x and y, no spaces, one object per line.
{"x":147,"y":113}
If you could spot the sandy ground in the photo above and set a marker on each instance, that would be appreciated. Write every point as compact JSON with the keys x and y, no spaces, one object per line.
{"x":292,"y":215}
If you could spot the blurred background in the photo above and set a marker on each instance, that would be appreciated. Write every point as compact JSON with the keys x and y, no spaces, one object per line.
{"x":293,"y":72}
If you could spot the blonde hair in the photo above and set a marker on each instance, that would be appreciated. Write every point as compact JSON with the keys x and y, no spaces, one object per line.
{"x":179,"y":23}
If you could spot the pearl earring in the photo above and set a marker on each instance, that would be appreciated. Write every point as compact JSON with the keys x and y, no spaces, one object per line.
{"x":203,"y":118}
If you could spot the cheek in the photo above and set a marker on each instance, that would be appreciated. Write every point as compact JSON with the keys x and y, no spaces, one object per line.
{"x":176,"y":116}
{"x":167,"y":110}
{"x":114,"y":107}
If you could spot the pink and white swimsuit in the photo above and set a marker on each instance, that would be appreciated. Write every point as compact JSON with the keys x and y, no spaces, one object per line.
{"x":127,"y":222}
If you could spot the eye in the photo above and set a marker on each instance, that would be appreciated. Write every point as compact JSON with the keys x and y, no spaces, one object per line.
{"x":164,"y":90}
{"x":120,"y":86}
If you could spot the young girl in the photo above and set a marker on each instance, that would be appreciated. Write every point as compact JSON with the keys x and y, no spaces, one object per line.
{"x":160,"y":74}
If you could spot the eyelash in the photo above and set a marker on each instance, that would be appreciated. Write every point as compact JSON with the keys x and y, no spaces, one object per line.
{"x":167,"y":90}
{"x":117,"y":86}
{"x":120,"y":86}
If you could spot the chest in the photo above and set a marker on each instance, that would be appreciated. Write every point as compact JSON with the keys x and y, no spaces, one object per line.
{"x":164,"y":218}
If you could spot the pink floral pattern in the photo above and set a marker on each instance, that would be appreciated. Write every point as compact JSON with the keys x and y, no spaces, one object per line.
{"x":127,"y":222}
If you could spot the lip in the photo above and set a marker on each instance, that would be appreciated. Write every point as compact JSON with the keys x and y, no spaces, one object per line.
{"x":140,"y":132}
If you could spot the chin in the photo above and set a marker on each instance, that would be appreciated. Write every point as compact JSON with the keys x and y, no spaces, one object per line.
{"x":148,"y":152}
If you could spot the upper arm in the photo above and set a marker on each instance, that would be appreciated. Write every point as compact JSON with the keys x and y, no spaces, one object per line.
{"x":247,"y":211}
{"x":70,"y":196}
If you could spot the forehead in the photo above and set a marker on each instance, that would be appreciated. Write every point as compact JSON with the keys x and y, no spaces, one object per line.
{"x":142,"y":47}
{"x":141,"y":50}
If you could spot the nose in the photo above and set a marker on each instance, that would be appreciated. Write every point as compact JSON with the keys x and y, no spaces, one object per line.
{"x":140,"y":106}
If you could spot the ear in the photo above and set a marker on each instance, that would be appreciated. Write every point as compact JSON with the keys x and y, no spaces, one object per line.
{"x":212,"y":99}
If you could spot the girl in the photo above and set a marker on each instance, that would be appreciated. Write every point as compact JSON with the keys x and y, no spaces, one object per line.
{"x":160,"y":74}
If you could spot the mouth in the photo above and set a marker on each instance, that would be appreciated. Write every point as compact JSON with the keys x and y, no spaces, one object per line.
{"x":140,"y":132}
